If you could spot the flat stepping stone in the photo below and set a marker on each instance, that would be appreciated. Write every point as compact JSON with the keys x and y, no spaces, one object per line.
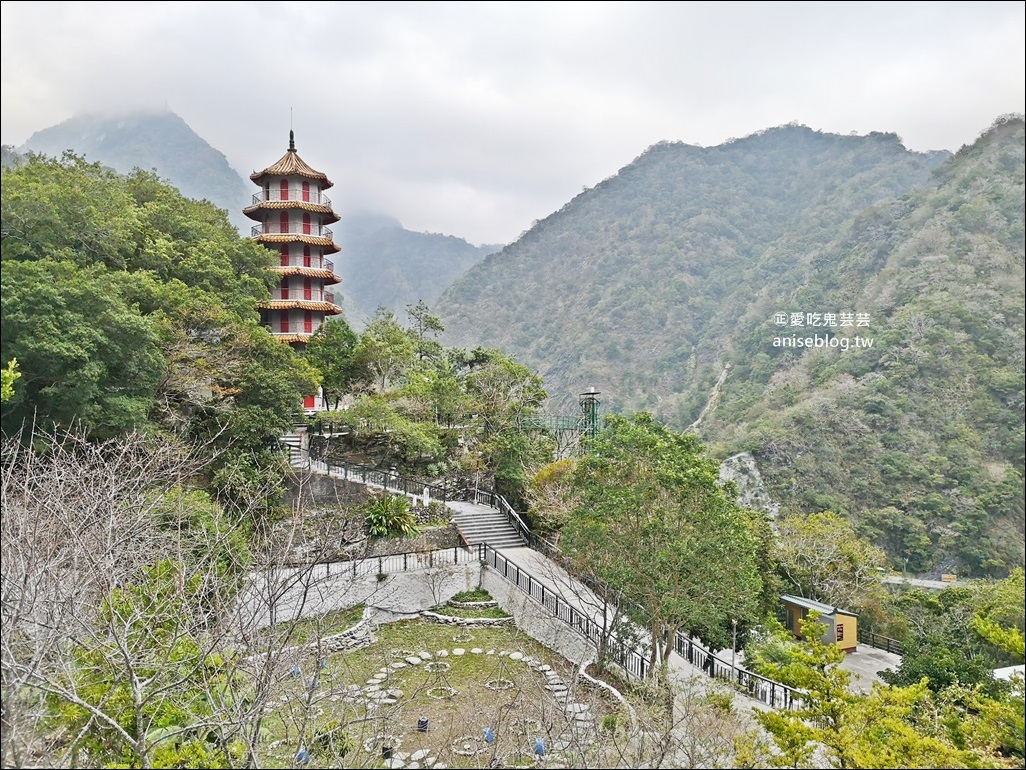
{"x":516,"y":656}
{"x":419,"y":755}
{"x":576,"y":708}
{"x":394,"y":763}
{"x":403,"y":755}
{"x":413,"y":660}
{"x":458,"y":651}
{"x":397,"y":665}
{"x":372,"y":688}
{"x":477,"y":650}
{"x":490,"y":652}
{"x":543,"y":668}
{"x":424,"y":655}
{"x":443,"y":653}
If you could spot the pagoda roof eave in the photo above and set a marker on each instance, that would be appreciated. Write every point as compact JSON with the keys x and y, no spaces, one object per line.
{"x":329,"y":246}
{"x":328,"y":308}
{"x":329,"y":277}
{"x":290,"y":164}
{"x":329,"y":216}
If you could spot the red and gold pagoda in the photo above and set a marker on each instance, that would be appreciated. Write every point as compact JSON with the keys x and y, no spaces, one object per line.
{"x":293,"y":214}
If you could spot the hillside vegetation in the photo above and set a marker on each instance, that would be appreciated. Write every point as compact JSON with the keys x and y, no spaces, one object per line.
{"x":661,"y":287}
{"x":382,"y":263}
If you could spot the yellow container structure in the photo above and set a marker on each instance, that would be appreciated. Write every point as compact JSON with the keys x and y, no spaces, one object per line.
{"x":841,"y":626}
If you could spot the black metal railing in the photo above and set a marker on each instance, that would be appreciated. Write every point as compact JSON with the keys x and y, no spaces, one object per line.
{"x":387,"y":480}
{"x":881,"y":642}
{"x":385,"y":565}
{"x":632,"y":661}
{"x":499,"y":503}
{"x":768,"y":691}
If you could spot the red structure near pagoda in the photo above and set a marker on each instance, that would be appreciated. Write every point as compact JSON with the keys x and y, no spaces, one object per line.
{"x":293,"y":214}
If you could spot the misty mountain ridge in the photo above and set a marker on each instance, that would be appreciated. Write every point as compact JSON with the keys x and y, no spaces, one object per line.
{"x":158,"y":141}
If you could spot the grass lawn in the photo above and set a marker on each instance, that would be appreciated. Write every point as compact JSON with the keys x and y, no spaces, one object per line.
{"x":375,"y":697}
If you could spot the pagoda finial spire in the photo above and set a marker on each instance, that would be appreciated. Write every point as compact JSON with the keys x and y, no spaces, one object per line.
{"x":292,"y":140}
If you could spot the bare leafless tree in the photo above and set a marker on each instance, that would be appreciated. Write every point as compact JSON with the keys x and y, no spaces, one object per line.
{"x":121,"y":623}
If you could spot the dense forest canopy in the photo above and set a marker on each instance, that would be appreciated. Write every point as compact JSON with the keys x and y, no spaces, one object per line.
{"x":130,"y":307}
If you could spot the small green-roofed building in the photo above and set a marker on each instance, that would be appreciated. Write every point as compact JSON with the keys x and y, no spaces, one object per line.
{"x":841,"y":626}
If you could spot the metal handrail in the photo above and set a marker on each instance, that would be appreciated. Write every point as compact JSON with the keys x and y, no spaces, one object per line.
{"x":274,"y":196}
{"x":632,"y":661}
{"x":392,"y":482}
{"x":275,"y":228}
{"x":881,"y":642}
{"x":499,"y":503}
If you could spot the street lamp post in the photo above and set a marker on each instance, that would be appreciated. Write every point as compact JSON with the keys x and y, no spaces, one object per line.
{"x":733,"y":644}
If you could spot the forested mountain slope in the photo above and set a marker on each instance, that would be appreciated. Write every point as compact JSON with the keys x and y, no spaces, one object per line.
{"x":661,"y":287}
{"x":921,"y":436}
{"x":384,"y":264}
{"x":636,"y":286}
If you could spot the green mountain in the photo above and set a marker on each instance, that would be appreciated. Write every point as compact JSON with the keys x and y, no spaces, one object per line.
{"x":152,"y":141}
{"x":383,"y":264}
{"x":664,"y":287}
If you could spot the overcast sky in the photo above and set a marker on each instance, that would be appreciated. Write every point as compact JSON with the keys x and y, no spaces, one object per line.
{"x":477,"y":118}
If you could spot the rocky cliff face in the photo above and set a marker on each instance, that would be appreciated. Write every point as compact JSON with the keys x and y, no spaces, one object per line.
{"x":752,"y":493}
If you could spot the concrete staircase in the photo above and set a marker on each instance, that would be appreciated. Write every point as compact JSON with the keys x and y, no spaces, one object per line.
{"x":481,"y":524}
{"x":294,"y":441}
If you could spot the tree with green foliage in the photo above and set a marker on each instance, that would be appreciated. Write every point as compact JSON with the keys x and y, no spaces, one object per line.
{"x":422,"y":324}
{"x":86,"y":354}
{"x":819,"y":556}
{"x":332,"y":351}
{"x":130,"y":307}
{"x":664,"y":534}
{"x":833,"y":726}
{"x":1000,"y":617}
{"x":385,"y":350}
{"x":8,"y":376}
{"x":958,"y":636}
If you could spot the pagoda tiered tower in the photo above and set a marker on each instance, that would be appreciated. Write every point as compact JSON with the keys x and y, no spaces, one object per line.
{"x":293,"y":214}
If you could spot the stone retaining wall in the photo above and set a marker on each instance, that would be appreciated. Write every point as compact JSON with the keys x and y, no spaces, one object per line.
{"x":452,"y":620}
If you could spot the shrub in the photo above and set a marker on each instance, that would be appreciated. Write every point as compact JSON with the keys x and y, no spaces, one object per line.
{"x":391,"y":516}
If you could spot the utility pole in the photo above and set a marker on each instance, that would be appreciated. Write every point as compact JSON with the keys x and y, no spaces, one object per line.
{"x":733,"y":645}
